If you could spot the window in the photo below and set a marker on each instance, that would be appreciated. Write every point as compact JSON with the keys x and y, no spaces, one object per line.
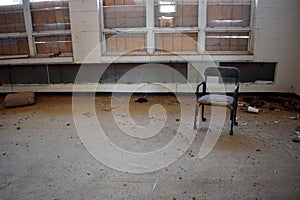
{"x":129,"y":42}
{"x":11,"y":17}
{"x":10,"y":2}
{"x":176,"y":13}
{"x":124,"y":13}
{"x":227,"y":41}
{"x":54,"y":45}
{"x":228,"y":13}
{"x":46,"y":34}
{"x":14,"y":46}
{"x":234,"y":17}
{"x":176,"y":42}
{"x":50,"y":15}
{"x":180,"y":26}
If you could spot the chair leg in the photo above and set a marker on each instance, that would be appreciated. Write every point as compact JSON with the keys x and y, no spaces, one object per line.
{"x":202,"y":114}
{"x":232,"y":118}
{"x":231,"y":128}
{"x":196,"y":116}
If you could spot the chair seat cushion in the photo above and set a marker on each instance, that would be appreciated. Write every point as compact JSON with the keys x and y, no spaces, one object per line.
{"x":216,"y":99}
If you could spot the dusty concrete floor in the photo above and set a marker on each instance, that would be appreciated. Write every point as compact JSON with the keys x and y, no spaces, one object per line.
{"x":42,"y":157}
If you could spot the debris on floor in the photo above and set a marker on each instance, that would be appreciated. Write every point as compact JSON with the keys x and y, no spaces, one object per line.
{"x":19,"y":99}
{"x":141,"y":100}
{"x":102,"y":106}
{"x":252,"y":110}
{"x":297,"y":132}
{"x":293,"y":117}
{"x":154,"y":186}
{"x":271,"y":103}
{"x":297,"y":140}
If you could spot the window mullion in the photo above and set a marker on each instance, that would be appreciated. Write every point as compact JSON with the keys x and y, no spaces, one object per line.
{"x":28,"y":27}
{"x":201,"y":25}
{"x":150,"y":26}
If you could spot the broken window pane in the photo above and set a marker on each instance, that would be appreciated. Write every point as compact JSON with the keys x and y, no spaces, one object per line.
{"x":50,"y":15}
{"x":227,"y":41}
{"x":12,"y":19}
{"x":57,"y":45}
{"x":176,"y":13}
{"x":228,"y":13}
{"x":14,"y":46}
{"x":124,"y":13}
{"x":176,"y":42}
{"x":126,"y":42}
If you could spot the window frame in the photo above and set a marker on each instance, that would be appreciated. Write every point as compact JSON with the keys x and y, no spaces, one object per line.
{"x":31,"y":34}
{"x":201,"y":29}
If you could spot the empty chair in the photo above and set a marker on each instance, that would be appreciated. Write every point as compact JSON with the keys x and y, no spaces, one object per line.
{"x":224,"y":74}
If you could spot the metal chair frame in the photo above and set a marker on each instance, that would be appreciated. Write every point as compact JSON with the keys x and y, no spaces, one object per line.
{"x":223,"y":73}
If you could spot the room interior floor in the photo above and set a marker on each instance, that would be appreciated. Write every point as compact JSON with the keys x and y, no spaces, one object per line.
{"x":42,"y":156}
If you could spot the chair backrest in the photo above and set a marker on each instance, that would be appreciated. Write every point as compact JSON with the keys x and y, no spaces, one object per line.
{"x":223,"y":72}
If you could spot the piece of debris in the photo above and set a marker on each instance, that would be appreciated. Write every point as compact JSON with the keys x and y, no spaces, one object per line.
{"x":252,"y":110}
{"x":192,"y":155}
{"x":275,"y":172}
{"x":19,"y":99}
{"x":293,"y":117}
{"x":297,"y":132}
{"x":297,"y":140}
{"x":141,"y":100}
{"x":276,"y":121}
{"x":184,"y":191}
{"x":18,"y":128}
{"x":67,"y":124}
{"x":154,"y":186}
{"x":257,"y":149}
{"x":177,"y":120}
{"x":104,"y":107}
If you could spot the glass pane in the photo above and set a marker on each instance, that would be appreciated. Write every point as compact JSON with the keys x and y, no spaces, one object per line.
{"x":176,"y":13}
{"x":228,"y":13}
{"x":10,"y":2}
{"x":50,"y":15}
{"x":124,"y":14}
{"x":14,"y":46}
{"x":125,"y":42}
{"x":12,"y":19}
{"x":176,"y":42}
{"x":53,"y":45}
{"x":227,"y":41}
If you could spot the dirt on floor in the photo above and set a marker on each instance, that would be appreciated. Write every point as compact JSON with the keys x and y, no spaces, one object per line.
{"x":43,"y":155}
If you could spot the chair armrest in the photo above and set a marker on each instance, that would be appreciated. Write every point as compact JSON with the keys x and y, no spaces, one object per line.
{"x":203,"y":88}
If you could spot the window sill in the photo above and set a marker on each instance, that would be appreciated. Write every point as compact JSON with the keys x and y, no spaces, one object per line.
{"x":35,"y":60}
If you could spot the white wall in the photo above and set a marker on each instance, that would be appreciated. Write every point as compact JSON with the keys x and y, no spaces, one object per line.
{"x":276,"y":31}
{"x":277,"y":39}
{"x":85,"y":29}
